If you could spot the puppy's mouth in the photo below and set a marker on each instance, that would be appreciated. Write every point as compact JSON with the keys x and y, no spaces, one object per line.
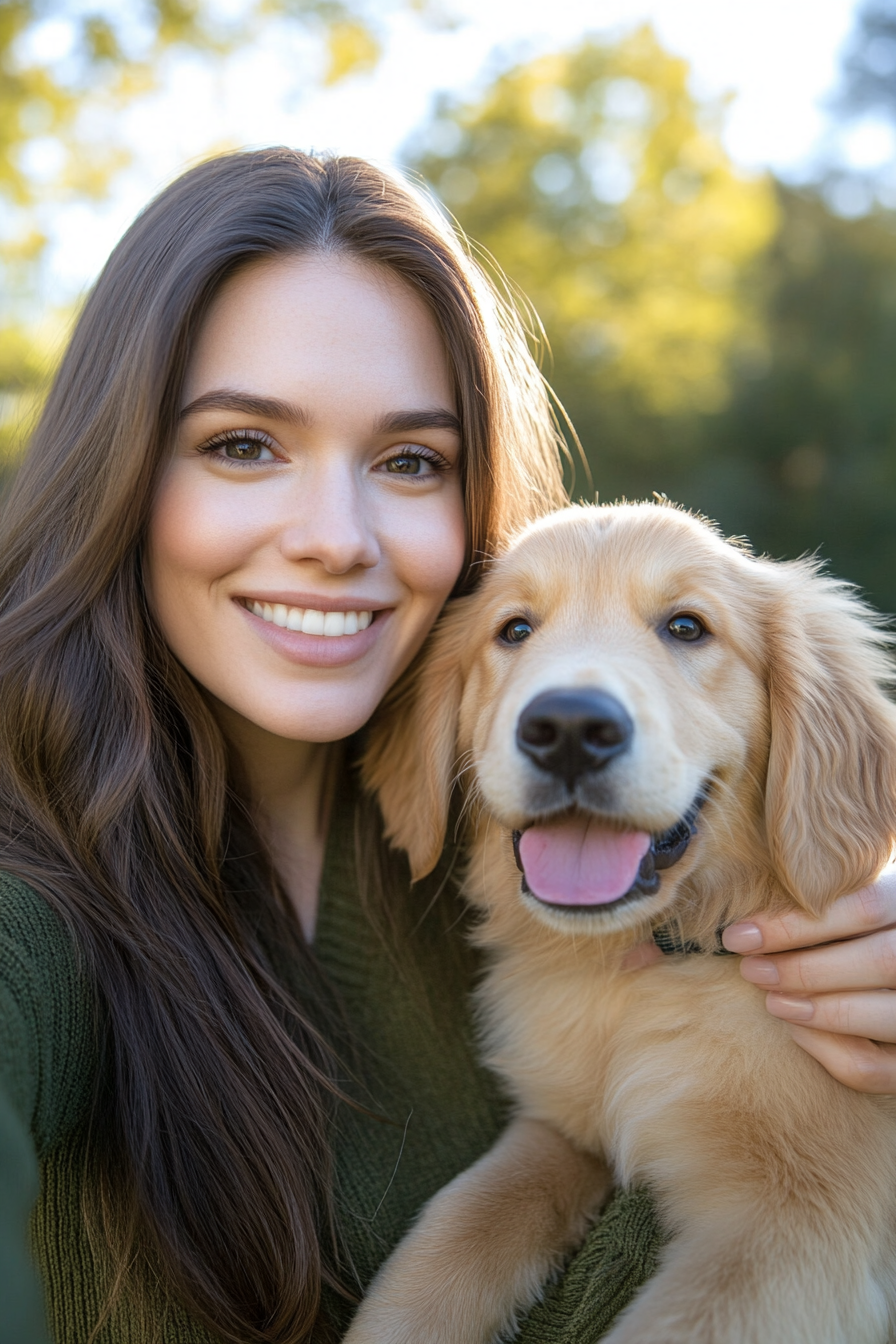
{"x":578,"y":863}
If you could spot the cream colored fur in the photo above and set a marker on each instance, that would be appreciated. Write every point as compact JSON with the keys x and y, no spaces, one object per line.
{"x":777,"y":1183}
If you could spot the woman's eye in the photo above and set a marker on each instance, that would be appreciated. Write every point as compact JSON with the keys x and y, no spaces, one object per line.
{"x":414,"y":464}
{"x":515,"y":631}
{"x":246,"y":450}
{"x":686,"y":627}
{"x":406,"y":464}
{"x":240,"y":448}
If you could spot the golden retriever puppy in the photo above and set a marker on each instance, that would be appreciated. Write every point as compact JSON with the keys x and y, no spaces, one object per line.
{"x":655,"y":731}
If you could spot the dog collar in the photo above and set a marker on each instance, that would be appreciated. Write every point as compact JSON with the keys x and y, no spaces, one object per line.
{"x":666,"y":849}
{"x":671,"y":945}
{"x":671,"y":846}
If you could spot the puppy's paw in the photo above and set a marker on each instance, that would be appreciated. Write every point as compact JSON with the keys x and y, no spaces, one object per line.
{"x":485,"y":1244}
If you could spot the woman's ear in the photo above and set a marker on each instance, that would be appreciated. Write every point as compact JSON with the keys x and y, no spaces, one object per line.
{"x":411,"y":754}
{"x":831,"y":789}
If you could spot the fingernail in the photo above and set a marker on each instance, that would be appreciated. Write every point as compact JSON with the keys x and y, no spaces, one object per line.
{"x":742,"y":938}
{"x":794,"y":1009}
{"x":760,"y":971}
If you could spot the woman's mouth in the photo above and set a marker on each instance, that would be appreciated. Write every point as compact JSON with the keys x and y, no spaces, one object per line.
{"x":308,"y":621}
{"x":311,"y":637}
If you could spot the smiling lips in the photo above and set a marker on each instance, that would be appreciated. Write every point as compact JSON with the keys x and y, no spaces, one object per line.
{"x":311,"y":622}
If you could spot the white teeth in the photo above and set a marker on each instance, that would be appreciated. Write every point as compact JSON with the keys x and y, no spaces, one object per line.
{"x":309,"y":621}
{"x":313,"y":622}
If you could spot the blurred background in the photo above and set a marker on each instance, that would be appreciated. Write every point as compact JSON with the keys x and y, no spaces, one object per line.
{"x":698,"y":200}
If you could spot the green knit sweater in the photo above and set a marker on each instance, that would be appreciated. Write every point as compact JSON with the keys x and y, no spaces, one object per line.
{"x":409,"y":1011}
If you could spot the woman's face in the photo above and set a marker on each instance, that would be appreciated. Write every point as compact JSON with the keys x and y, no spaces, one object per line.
{"x":310,"y":524}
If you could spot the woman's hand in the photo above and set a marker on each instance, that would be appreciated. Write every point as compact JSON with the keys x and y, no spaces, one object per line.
{"x":832,"y":980}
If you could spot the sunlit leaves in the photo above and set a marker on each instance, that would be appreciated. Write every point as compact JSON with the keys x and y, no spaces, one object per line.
{"x":713,"y":337}
{"x":67,"y":69}
{"x":806,"y":452}
{"x":101,"y":40}
{"x":58,"y":59}
{"x":351,"y":49}
{"x":600,"y":185}
{"x":26,"y":361}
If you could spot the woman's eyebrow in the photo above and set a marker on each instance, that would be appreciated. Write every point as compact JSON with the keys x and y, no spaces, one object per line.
{"x":269,"y":408}
{"x":400,"y":422}
{"x":272,"y":408}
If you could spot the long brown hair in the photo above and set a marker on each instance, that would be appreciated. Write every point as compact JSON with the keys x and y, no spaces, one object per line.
{"x":115,"y":799}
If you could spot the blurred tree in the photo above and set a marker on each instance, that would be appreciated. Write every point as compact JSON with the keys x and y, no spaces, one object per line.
{"x":868,"y":74}
{"x":27,"y":355}
{"x":810,"y":440}
{"x":857,"y":160}
{"x":598,"y":182}
{"x":63,"y":62}
{"x":58,"y":57}
{"x":804,"y":456}
{"x":714,"y":338}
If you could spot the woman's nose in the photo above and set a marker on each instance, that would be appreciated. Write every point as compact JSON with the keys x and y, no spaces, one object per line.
{"x":332,"y":524}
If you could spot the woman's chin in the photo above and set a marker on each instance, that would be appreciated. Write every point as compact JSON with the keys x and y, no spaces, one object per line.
{"x":327,"y":717}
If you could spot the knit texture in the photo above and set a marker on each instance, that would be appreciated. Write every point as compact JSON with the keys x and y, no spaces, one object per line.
{"x":430,"y":1111}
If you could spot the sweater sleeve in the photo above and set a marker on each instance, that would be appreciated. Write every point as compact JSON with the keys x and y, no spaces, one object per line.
{"x":22,"y":1317}
{"x":619,"y":1255}
{"x":42,"y":1017}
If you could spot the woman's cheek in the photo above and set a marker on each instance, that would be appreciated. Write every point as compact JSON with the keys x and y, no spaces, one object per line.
{"x":429,"y":545}
{"x":427,"y":555}
{"x":199,"y":532}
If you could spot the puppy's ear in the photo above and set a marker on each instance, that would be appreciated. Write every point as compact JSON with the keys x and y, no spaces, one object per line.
{"x":410,"y":759}
{"x":831,"y":789}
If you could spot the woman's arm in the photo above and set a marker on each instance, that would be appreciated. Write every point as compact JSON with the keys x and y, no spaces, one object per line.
{"x":832,"y":980}
{"x":46,"y":1078}
{"x":22,"y":1319}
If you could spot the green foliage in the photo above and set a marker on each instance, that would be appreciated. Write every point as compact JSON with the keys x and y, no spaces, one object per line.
{"x":92,"y":57}
{"x":27,"y":357}
{"x":600,"y":186}
{"x":713,"y":337}
{"x":60,"y":60}
{"x":804,"y":457}
{"x":716,"y":339}
{"x":351,"y":48}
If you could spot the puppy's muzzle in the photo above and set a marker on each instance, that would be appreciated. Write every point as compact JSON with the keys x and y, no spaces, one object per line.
{"x":575,"y":732}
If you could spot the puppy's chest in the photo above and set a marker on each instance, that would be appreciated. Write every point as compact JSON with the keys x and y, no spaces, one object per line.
{"x":575,"y":1043}
{"x":550,"y":1034}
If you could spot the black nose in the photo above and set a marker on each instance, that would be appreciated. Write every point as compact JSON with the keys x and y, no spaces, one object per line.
{"x":571,"y":732}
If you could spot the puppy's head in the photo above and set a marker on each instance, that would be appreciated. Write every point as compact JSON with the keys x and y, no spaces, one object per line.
{"x":652,"y":723}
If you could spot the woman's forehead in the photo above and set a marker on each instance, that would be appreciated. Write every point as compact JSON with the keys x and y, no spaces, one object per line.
{"x":291,"y":327}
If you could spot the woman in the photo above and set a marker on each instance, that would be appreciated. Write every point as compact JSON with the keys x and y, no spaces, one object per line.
{"x":291,"y":421}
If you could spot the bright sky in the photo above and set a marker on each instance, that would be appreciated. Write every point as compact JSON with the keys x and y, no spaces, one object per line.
{"x":779,"y":57}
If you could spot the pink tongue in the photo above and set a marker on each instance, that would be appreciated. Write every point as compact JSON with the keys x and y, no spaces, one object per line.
{"x":580,"y":862}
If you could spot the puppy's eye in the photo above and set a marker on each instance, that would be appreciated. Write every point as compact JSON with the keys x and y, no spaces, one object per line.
{"x":515,"y":631}
{"x":688,"y":628}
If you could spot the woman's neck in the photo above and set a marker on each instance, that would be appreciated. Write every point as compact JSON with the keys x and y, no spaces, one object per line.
{"x":290,"y":792}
